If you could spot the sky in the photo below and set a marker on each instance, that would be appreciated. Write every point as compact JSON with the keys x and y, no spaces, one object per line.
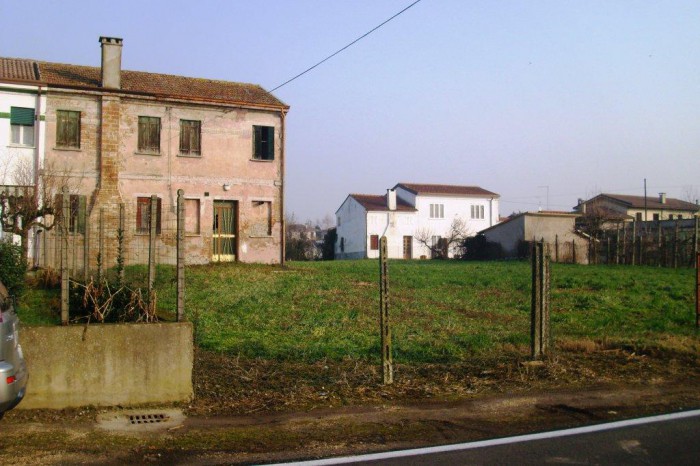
{"x":542,"y":102}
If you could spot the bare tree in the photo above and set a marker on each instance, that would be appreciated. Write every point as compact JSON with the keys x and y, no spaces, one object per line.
{"x":690,"y":194}
{"x":440,"y":245}
{"x":23,"y":205}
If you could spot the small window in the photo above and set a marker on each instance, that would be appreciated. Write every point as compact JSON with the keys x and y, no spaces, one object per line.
{"x":639,"y":216}
{"x":679,"y":217}
{"x":190,"y":137}
{"x":149,"y":134}
{"x":263,"y":142}
{"x":192,"y":216}
{"x":78,"y":212}
{"x":143,"y":215}
{"x":67,"y":129}
{"x":261,"y":219}
{"x":374,"y":242}
{"x":437,"y":211}
{"x":477,"y":211}
{"x":22,"y":126}
{"x":656,"y":217}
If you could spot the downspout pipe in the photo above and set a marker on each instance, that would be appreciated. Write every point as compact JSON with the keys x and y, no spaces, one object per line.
{"x":283,"y":226}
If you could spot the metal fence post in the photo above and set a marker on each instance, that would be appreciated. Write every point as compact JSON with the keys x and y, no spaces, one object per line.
{"x":152,"y":243}
{"x":101,"y":252}
{"x":387,"y":365}
{"x":120,"y":243}
{"x":86,"y":246}
{"x":539,"y":315}
{"x":65,"y":219}
{"x":180,"y":254}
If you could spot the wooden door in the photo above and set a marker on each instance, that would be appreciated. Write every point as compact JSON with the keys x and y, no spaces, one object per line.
{"x":408,"y":247}
{"x":225,"y":231}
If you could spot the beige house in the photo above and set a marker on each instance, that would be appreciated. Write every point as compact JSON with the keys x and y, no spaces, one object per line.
{"x":623,"y":207}
{"x":557,"y":229}
{"x":126,"y":135}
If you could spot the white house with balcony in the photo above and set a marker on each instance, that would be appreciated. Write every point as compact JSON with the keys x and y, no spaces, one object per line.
{"x":413,"y":217}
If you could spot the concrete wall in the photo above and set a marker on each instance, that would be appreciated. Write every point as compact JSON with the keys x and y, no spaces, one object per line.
{"x":352,"y":230}
{"x":107,"y":364}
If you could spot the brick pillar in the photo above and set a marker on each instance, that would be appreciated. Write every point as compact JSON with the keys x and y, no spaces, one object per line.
{"x":107,"y":195}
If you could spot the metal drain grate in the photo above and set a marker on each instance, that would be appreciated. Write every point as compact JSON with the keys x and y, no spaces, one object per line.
{"x":148,"y":418}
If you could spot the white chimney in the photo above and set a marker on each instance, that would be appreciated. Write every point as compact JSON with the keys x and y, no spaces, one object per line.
{"x":391,"y":199}
{"x":662,"y":198}
{"x":111,"y":62}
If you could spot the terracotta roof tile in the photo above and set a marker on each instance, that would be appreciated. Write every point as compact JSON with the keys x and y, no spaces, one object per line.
{"x":446,"y":190}
{"x":17,"y":69}
{"x":159,"y":85}
{"x":378,"y":203}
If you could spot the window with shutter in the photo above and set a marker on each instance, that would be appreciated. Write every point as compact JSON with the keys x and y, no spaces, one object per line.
{"x":78,"y":212}
{"x":22,"y":126}
{"x":374,"y":242}
{"x":263,"y":142}
{"x":67,"y":129}
{"x":149,"y":134}
{"x":143,"y":215}
{"x":190,"y":137}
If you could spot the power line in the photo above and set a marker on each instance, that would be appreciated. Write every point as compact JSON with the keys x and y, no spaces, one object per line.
{"x":351,"y":43}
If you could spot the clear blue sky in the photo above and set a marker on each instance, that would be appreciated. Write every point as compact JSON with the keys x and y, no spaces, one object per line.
{"x":579,"y":96}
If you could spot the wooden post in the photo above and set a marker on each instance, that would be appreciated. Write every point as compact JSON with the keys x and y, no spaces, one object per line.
{"x":607,"y":254}
{"x":556,"y":248}
{"x":697,"y":290}
{"x":675,"y":246}
{"x":539,"y":315}
{"x":624,"y":244}
{"x":153,"y":211}
{"x":617,"y":245}
{"x":387,"y":365}
{"x":695,"y":249}
{"x":573,"y":250}
{"x":65,"y":220}
{"x":634,"y":242}
{"x":180,"y":254}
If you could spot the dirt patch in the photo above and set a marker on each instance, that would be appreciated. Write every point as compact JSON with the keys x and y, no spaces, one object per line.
{"x":252,"y":411}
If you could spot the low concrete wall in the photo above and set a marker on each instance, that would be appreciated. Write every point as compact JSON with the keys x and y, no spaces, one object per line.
{"x":107,"y":364}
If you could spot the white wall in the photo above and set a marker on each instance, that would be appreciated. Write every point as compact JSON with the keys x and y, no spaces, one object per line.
{"x":351,"y":227}
{"x":394,"y":225}
{"x":12,"y":95}
{"x":454,"y":207}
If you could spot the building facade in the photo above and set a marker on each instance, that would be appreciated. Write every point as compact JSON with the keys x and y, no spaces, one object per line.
{"x":123,"y":136}
{"x":627,"y":208}
{"x":414,"y":218}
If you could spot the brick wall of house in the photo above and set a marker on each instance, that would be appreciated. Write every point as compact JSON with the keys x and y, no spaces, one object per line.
{"x":111,"y":169}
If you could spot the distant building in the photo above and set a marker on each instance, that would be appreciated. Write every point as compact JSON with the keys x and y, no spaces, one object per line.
{"x":407,"y":212}
{"x":557,"y":229}
{"x":622,"y":207}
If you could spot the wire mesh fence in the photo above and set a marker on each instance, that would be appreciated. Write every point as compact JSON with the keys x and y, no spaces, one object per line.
{"x":125,"y":244}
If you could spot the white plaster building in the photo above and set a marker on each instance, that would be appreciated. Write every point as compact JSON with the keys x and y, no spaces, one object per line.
{"x":22,"y":127}
{"x":406,"y":213}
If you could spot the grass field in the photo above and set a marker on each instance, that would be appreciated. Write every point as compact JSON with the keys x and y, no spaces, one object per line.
{"x":441,"y":311}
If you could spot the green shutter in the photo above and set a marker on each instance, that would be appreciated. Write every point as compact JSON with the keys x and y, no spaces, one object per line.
{"x":270,"y":143}
{"x":257,"y":142}
{"x":22,"y":116}
{"x":82,"y":213}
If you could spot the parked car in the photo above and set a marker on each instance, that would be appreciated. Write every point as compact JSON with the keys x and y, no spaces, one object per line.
{"x":13,"y":370}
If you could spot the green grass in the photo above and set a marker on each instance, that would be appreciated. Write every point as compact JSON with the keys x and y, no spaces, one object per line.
{"x":440,"y":311}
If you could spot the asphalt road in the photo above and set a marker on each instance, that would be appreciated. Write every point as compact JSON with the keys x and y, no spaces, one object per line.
{"x":668,"y":439}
